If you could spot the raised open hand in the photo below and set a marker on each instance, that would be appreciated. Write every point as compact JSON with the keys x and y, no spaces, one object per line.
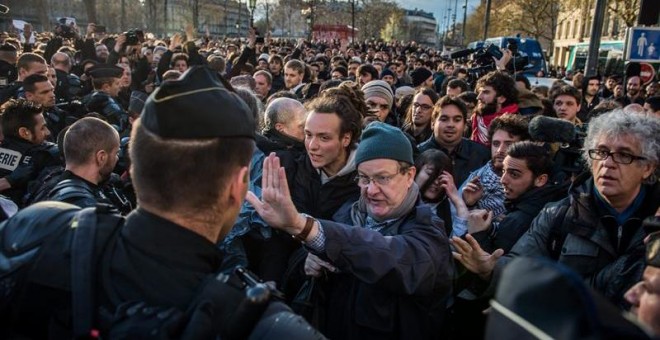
{"x":475,"y":259}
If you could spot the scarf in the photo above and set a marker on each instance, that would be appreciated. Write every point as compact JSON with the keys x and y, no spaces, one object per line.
{"x":481,"y":124}
{"x":361,"y":217}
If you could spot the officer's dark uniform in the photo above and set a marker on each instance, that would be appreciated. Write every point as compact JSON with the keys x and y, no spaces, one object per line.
{"x":68,"y":87}
{"x":102,"y":103}
{"x":152,"y":260}
{"x":77,"y":191}
{"x":22,"y":161}
{"x":56,"y":120}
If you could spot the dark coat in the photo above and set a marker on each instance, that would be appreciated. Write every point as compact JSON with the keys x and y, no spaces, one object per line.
{"x":590,"y":245}
{"x":21,"y":162}
{"x":519,"y":216}
{"x":102,"y":103}
{"x":312,"y":197}
{"x":467,"y":157}
{"x":75,"y":190}
{"x":393,"y":284}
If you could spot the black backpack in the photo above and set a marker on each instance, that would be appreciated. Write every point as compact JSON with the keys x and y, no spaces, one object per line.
{"x":37,"y":242}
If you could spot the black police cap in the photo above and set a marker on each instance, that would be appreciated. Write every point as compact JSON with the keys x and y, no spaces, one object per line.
{"x":197,"y":106}
{"x":105,"y":71}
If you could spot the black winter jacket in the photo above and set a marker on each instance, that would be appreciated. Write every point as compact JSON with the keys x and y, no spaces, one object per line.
{"x":312,"y":197}
{"x":588,"y":247}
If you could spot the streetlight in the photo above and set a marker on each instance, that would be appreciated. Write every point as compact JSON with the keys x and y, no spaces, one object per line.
{"x":252,"y":4}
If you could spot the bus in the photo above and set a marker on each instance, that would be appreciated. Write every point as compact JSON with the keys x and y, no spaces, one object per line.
{"x":610,"y":57}
{"x":527,"y":47}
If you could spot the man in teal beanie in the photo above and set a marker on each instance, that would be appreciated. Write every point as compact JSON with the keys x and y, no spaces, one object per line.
{"x":385,"y":257}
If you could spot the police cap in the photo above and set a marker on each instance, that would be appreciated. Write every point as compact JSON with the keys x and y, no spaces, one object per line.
{"x":197,"y":106}
{"x":105,"y":71}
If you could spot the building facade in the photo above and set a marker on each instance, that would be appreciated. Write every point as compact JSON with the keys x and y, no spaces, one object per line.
{"x":421,"y":27}
{"x":575,"y":26}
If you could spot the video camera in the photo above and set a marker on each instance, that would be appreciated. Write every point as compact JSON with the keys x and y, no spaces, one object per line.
{"x":134,"y":37}
{"x":482,"y":58}
{"x":64,"y":28}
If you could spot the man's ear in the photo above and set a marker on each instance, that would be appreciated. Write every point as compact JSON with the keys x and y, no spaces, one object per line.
{"x":25,"y":133}
{"x":101,"y":157}
{"x":279,"y":127}
{"x":346,"y":139}
{"x":500,"y":99}
{"x":238,"y":186}
{"x":541,"y":180}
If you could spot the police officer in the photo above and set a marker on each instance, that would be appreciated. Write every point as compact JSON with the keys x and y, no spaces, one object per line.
{"x":39,"y":89}
{"x":8,"y":71}
{"x":106,"y":80}
{"x":165,"y":254}
{"x":24,"y":152}
{"x":91,"y":148}
{"x":27,"y":64}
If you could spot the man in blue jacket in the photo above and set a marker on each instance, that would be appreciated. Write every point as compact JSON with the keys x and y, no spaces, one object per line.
{"x":386,"y":255}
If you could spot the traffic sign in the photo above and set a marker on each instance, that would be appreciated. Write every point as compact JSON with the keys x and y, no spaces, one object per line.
{"x":647,"y":72}
{"x":644,"y":44}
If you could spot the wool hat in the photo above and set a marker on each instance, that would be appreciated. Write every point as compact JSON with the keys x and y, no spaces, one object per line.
{"x":380,"y":89}
{"x":383,"y":141}
{"x":263,"y":56}
{"x":419,"y":76}
{"x":403,"y":91}
{"x":198,"y":105}
{"x":387,"y":72}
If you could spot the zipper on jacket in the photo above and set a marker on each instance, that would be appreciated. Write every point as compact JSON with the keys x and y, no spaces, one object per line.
{"x":619,"y":233}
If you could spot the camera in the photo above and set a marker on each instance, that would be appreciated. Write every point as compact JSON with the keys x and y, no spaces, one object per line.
{"x":134,"y":37}
{"x":64,"y":29}
{"x":482,"y":58}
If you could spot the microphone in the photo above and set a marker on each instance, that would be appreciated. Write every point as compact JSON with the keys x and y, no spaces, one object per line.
{"x":551,"y":130}
{"x":462,"y":53}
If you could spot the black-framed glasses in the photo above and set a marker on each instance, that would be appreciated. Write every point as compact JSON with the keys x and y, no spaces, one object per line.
{"x":617,"y":157}
{"x":424,"y":107}
{"x":373,"y":105}
{"x":363,"y":181}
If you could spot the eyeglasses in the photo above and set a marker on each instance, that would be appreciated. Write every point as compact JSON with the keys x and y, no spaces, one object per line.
{"x":617,"y":157}
{"x":373,"y":105}
{"x":424,"y":107}
{"x":381,"y":180}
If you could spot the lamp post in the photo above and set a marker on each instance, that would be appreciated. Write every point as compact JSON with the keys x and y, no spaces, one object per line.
{"x":352,"y":21}
{"x":252,"y":4}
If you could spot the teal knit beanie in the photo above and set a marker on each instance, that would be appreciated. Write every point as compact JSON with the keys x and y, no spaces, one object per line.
{"x":380,"y":140}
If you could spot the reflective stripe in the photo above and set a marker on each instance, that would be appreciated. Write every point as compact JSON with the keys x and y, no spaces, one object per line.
{"x":520,"y":321}
{"x":9,"y":159}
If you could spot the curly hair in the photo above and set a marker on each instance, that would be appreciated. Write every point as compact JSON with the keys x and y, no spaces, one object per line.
{"x":617,"y":123}
{"x":503,"y":85}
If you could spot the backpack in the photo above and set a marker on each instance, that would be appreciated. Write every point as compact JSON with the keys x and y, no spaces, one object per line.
{"x":34,"y":242}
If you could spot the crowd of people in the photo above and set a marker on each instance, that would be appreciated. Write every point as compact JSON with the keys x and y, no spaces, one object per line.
{"x":380,"y":189}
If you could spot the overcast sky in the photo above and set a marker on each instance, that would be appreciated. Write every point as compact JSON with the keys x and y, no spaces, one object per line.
{"x":439,"y":7}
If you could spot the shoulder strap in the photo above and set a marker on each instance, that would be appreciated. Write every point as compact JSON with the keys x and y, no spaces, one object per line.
{"x":94,"y":227}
